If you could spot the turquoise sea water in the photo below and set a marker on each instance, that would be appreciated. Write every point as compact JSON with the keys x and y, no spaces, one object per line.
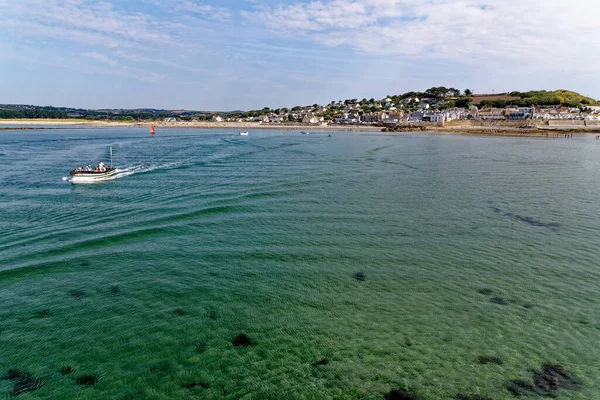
{"x":143,"y":281}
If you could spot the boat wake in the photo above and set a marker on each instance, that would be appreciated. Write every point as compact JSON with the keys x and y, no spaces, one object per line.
{"x":140,"y":169}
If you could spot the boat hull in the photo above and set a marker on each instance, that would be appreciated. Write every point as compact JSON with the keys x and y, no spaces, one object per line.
{"x":93,"y":177}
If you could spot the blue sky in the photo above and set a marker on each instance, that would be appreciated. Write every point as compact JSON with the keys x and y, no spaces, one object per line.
{"x":226,"y":55}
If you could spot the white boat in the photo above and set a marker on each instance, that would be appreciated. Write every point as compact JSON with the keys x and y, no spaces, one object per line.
{"x":94,"y":176}
{"x":99,"y":174}
{"x":304,"y":133}
{"x":243,"y":133}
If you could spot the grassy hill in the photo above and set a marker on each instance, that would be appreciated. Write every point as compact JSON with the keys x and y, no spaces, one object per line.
{"x":535,"y":97}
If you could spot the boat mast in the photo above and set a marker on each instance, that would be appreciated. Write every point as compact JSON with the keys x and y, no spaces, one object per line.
{"x":111,"y":156}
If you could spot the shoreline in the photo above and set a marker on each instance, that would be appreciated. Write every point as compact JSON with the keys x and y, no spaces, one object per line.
{"x":23,"y":124}
{"x":498,"y":130}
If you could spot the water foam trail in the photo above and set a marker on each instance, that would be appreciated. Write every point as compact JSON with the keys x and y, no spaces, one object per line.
{"x":140,"y":169}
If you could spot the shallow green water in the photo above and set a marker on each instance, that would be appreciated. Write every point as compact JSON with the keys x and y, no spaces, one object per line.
{"x":144,"y":281}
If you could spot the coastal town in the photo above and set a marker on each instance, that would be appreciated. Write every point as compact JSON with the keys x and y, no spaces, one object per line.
{"x":390,"y":114}
{"x":428,"y":107}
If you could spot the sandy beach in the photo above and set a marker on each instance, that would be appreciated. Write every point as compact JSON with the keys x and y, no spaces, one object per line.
{"x":455,"y":129}
{"x":16,"y":123}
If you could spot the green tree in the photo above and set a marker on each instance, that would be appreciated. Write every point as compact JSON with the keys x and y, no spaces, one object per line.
{"x":468,"y":92}
{"x":463,"y":102}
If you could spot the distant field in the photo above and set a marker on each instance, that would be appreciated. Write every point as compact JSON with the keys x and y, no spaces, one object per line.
{"x":478,"y":98}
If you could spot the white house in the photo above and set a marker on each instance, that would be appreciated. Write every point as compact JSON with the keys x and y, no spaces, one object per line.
{"x":310,"y":119}
{"x":455,"y":114}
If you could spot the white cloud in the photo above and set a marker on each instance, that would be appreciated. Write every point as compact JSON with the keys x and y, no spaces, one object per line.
{"x":83,"y":21}
{"x":203,"y":9}
{"x":100,"y":57}
{"x":469,"y":31}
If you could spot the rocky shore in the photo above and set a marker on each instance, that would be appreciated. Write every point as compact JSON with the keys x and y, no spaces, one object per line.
{"x":498,"y":128}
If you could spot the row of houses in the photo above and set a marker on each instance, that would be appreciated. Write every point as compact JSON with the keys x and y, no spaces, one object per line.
{"x":352,"y":114}
{"x":472,"y":113}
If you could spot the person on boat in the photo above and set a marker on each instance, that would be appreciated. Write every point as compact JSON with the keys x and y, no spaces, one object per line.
{"x":101,"y":167}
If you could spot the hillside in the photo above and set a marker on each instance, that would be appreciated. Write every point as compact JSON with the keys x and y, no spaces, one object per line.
{"x":478,"y":98}
{"x":535,"y":97}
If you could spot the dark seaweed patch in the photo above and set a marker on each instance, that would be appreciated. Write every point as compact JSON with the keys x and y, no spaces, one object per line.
{"x":545,"y":382}
{"x":194,"y":385}
{"x":242,"y":340}
{"x":26,"y":385}
{"x":323,"y":361}
{"x":161,"y":367}
{"x":485,"y":291}
{"x":86,"y":380}
{"x":15,"y":374}
{"x":179,"y":311}
{"x":528,"y":220}
{"x":534,"y":222}
{"x":554,"y":376}
{"x":66,"y":370}
{"x":499,"y":300}
{"x":77,"y":293}
{"x":200,"y":347}
{"x":24,"y":381}
{"x":359,"y":276}
{"x":401,"y":394}
{"x":489,"y":360}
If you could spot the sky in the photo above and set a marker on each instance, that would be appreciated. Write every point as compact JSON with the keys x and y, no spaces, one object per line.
{"x":249,"y":54}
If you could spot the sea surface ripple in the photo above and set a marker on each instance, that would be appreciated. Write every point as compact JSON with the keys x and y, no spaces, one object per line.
{"x":400,"y":260}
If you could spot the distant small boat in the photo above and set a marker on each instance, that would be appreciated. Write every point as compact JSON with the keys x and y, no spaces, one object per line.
{"x":152,"y":130}
{"x":243,"y":133}
{"x":304,"y":133}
